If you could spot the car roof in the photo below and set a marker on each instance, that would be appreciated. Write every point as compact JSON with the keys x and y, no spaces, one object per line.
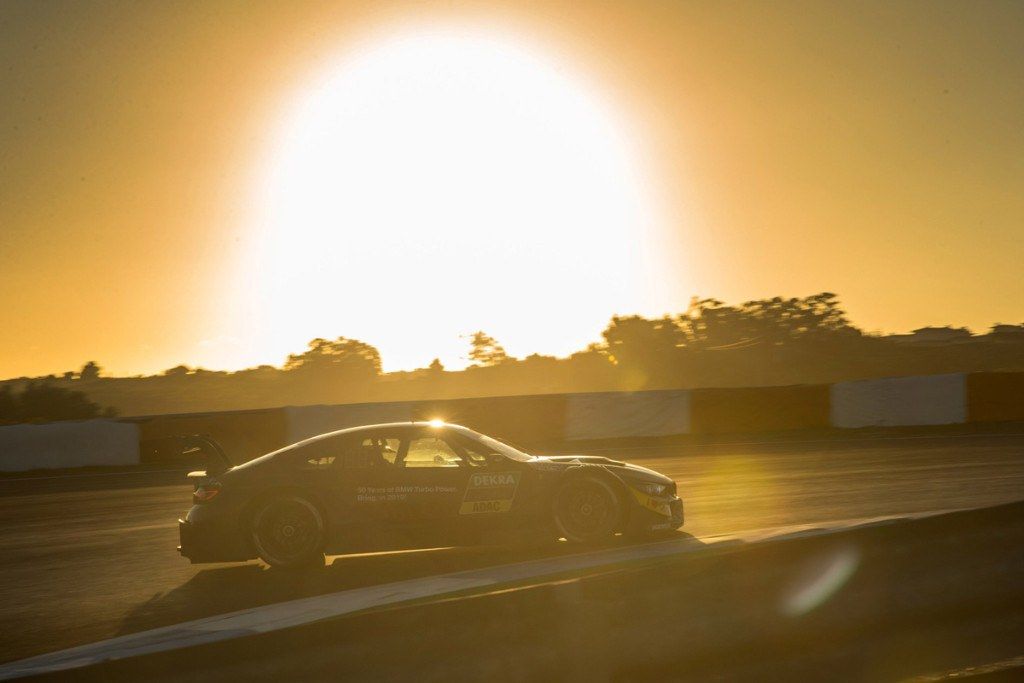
{"x":389,"y":425}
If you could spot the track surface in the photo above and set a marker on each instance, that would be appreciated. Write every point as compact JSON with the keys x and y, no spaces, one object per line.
{"x":89,"y":558}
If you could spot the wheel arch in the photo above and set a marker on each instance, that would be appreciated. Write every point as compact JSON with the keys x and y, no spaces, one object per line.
{"x":272,"y":491}
{"x":592,"y":470}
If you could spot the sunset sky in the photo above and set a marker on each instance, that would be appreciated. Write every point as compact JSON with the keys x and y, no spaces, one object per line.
{"x":215,"y":183}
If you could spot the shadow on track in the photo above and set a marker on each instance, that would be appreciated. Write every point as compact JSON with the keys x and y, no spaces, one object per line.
{"x":880,"y":602}
{"x":227,"y":588}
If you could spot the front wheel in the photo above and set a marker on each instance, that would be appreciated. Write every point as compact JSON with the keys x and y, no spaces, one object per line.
{"x":288,"y":533}
{"x":586,"y":509}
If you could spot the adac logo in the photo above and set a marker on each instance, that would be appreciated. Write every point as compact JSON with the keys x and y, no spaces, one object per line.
{"x":490,"y":493}
{"x":486,"y":506}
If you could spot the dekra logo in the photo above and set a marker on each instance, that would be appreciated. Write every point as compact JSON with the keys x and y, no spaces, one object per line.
{"x":493,"y":479}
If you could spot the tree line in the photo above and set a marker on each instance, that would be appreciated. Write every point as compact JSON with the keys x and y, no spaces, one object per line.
{"x":773,"y":341}
{"x":41,"y":401}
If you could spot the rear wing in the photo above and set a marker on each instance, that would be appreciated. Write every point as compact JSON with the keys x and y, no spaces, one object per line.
{"x":217,"y":461}
{"x":195,"y":449}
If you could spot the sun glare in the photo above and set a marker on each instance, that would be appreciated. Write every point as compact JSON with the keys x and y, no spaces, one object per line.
{"x":435,"y":182}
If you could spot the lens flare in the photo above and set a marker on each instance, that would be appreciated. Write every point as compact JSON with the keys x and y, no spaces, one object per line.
{"x":821,"y":581}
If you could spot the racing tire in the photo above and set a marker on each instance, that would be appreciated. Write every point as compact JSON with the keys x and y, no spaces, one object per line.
{"x":288,"y":533}
{"x":586,"y":509}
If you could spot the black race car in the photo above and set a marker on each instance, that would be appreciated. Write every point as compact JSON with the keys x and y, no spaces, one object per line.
{"x":414,"y":484}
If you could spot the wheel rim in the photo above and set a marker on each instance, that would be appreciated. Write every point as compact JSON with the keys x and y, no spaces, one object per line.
{"x":287,"y":530}
{"x":586,"y":509}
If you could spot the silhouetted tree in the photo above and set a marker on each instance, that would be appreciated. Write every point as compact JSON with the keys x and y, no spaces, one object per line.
{"x":350,"y":357}
{"x":485,"y":350}
{"x":90,"y":370}
{"x":435,"y":366}
{"x":711,"y":324}
{"x":641,"y":344}
{"x":1007,"y":333}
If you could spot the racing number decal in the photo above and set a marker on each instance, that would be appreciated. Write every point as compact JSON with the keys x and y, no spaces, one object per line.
{"x":490,"y":493}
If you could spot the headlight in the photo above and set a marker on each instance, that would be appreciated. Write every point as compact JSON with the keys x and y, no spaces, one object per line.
{"x":651,"y":489}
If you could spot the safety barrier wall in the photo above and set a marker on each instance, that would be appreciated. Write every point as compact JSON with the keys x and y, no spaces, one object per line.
{"x":898,"y":401}
{"x":529,"y":418}
{"x":894,"y":401}
{"x":995,"y":396}
{"x":306,"y":421}
{"x":243,"y":434}
{"x":68,"y":444}
{"x":612,"y":415}
{"x":759,"y":409}
{"x":524,"y":419}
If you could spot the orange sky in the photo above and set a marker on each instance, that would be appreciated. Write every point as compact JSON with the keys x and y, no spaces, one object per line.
{"x":870,"y":149}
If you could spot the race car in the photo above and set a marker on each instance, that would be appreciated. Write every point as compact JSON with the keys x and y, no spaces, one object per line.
{"x":414,"y":484}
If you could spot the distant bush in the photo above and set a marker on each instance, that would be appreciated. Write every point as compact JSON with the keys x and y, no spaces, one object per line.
{"x":43,"y":402}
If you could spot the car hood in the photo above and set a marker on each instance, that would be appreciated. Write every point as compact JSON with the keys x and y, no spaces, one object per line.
{"x":623,"y":469}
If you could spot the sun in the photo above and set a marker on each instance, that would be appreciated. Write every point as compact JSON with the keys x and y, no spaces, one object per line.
{"x":432,"y":182}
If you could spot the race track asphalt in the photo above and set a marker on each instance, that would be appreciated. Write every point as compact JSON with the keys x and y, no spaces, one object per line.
{"x":88,"y":558}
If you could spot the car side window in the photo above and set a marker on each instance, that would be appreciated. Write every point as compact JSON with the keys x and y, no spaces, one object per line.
{"x":319,"y":455}
{"x":430,"y":451}
{"x":475,"y":454}
{"x":373,"y":451}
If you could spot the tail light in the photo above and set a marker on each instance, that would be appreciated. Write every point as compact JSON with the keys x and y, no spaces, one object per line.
{"x":204,"y":493}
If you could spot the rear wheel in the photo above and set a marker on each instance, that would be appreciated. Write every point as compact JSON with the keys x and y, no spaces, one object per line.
{"x":586,"y":509}
{"x":288,"y":533}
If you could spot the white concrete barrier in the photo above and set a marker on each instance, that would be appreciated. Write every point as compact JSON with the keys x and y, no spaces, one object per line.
{"x":894,"y":401}
{"x":307,"y":421}
{"x":613,"y":414}
{"x":68,"y":444}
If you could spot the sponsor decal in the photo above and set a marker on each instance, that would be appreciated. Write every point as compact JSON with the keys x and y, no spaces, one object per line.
{"x":490,"y":493}
{"x":382,"y":494}
{"x":473,"y":507}
{"x":650,"y":503}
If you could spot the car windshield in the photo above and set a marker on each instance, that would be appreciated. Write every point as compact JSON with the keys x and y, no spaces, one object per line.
{"x":496,"y":446}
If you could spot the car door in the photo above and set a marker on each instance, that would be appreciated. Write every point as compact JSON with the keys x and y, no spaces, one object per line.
{"x":309,"y":467}
{"x":408,"y":486}
{"x":398,"y":486}
{"x":430,"y":481}
{"x":364,"y":490}
{"x":501,"y":496}
{"x":460,"y":492}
